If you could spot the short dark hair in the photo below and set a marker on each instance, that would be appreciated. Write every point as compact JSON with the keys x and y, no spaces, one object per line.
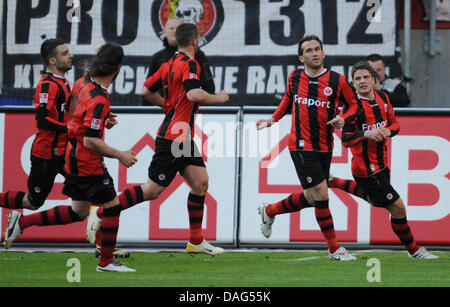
{"x":107,"y":60}
{"x":185,"y":34}
{"x":306,"y":39}
{"x":48,"y":49}
{"x":375,"y":57}
{"x":363,"y":65}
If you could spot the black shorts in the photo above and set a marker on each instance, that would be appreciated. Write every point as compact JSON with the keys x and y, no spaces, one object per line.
{"x":312,"y":167}
{"x":171,"y":157}
{"x":42,"y":177}
{"x":378,"y":188}
{"x":95,"y":189}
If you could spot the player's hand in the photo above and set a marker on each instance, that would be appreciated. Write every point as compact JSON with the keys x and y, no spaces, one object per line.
{"x":385,"y":131}
{"x":337,"y":122}
{"x":374,"y":135}
{"x":264,"y":123}
{"x":128,"y":158}
{"x":111,"y":121}
{"x":223,"y":96}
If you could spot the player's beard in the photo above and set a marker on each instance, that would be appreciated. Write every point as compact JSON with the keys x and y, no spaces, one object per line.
{"x":63,"y":67}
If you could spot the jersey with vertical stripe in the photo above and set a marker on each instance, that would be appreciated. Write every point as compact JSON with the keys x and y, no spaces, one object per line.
{"x":313,"y":102}
{"x":177,"y":77}
{"x":369,"y":157}
{"x":52,"y":93}
{"x":88,"y":112}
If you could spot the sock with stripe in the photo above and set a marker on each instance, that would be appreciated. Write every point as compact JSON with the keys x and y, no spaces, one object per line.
{"x":12,"y":199}
{"x":128,"y":198}
{"x":109,"y":228}
{"x":295,"y":202}
{"x":195,"y":210}
{"x":325,"y":221}
{"x":349,"y":186}
{"x":60,"y":215}
{"x":403,"y":232}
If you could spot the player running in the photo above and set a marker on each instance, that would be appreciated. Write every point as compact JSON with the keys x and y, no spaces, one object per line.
{"x":175,"y":148}
{"x":366,"y":136}
{"x":313,"y":95}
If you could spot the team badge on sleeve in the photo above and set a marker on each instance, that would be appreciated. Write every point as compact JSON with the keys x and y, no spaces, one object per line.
{"x":95,"y":124}
{"x":43,"y":98}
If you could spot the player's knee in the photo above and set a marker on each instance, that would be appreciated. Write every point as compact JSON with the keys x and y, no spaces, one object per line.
{"x":33,"y":203}
{"x":398,"y":209}
{"x":82,"y":212}
{"x":200,"y":187}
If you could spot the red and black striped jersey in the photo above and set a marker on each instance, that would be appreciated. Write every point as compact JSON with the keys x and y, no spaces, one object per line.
{"x":313,"y":102}
{"x":88,"y":112}
{"x":52,"y":93}
{"x":369,"y":157}
{"x":177,"y":77}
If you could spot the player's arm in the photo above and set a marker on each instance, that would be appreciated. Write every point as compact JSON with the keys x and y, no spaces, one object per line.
{"x":192,"y":86}
{"x":350,"y":104}
{"x":47,"y":95}
{"x":151,"y":86}
{"x":351,"y":135}
{"x":393,"y":127}
{"x":284,"y":107}
{"x":206,"y":78}
{"x":94,"y":125}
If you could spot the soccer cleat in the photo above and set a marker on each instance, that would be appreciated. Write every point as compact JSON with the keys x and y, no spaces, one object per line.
{"x":118,"y":253}
{"x":93,"y":225}
{"x":422,"y":253}
{"x":266,"y":221}
{"x":204,"y":248}
{"x":12,"y":229}
{"x":115,"y":266}
{"x":341,"y":254}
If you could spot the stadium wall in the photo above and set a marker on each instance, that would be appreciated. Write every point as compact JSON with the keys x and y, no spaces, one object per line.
{"x":247,"y":167}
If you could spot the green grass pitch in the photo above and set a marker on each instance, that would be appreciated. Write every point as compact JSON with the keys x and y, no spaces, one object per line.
{"x":231,"y":269}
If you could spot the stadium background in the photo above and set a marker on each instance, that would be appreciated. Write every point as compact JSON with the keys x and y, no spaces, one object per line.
{"x":252,"y":46}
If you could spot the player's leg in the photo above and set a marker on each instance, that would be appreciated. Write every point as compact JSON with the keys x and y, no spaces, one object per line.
{"x":399,"y":224}
{"x":347,"y":185}
{"x":197,"y":178}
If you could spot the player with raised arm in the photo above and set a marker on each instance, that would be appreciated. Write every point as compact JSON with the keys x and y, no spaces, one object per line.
{"x":366,"y":136}
{"x":313,"y":96}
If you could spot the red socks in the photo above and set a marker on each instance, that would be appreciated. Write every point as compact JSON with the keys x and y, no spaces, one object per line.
{"x":195,"y":210}
{"x":295,"y":202}
{"x":109,"y":228}
{"x":12,"y":199}
{"x":325,"y":221}
{"x":60,"y":215}
{"x":403,"y":232}
{"x":350,"y":186}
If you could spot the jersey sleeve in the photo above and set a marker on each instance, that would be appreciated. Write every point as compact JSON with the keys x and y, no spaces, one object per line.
{"x":46,"y":98}
{"x":95,"y":118}
{"x":347,"y":98}
{"x":393,"y":125}
{"x":191,"y":75}
{"x":351,"y":135}
{"x":154,"y":82}
{"x":286,"y":103}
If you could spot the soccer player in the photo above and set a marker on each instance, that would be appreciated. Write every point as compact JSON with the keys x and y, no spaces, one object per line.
{"x":47,"y":152}
{"x":366,"y":136}
{"x":313,"y":95}
{"x":87,"y":179}
{"x":170,"y":47}
{"x":175,"y":149}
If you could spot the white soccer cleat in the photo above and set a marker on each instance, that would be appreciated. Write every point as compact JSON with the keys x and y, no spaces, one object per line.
{"x":266,"y":221}
{"x":115,"y":266}
{"x":422,"y":253}
{"x":12,"y":229}
{"x":341,"y":255}
{"x":204,"y":248}
{"x":93,"y":225}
